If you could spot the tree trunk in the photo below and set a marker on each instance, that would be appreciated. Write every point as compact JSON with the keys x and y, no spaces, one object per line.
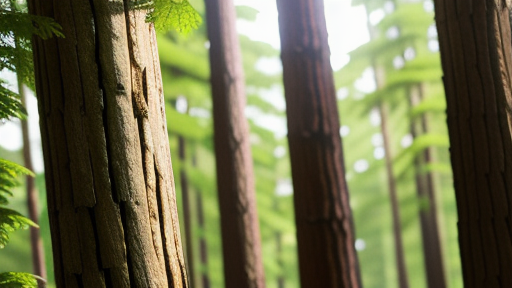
{"x":235,"y":181}
{"x":401,"y":266}
{"x":185,"y":195}
{"x":36,"y":243}
{"x":325,"y":237}
{"x":203,"y":248}
{"x":425,"y":188}
{"x":476,"y":53}
{"x":109,"y":180}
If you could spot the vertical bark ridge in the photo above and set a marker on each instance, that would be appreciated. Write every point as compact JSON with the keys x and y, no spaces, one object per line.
{"x":106,"y":150}
{"x":477,"y":83}
{"x":327,"y":256}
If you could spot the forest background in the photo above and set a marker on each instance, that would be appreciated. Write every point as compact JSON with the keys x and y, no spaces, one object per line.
{"x":404,"y":41}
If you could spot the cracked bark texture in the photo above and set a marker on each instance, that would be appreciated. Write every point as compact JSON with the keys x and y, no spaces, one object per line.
{"x":110,"y":186}
{"x":241,"y":245}
{"x":325,"y":234}
{"x":476,"y":53}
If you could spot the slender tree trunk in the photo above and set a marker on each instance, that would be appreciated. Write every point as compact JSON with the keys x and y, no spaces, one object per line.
{"x":185,"y":195}
{"x":425,"y":188}
{"x":36,"y":243}
{"x":203,"y":248}
{"x":111,"y":198}
{"x":235,"y":181}
{"x":325,"y":234}
{"x":401,"y":266}
{"x":476,"y":54}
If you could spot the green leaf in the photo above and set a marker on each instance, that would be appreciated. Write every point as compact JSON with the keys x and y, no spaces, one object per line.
{"x":177,"y":14}
{"x":18,"y":280}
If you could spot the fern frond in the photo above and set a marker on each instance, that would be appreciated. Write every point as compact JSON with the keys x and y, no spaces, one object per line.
{"x":9,"y":173}
{"x":10,"y":221}
{"x":18,"y":280}
{"x":10,"y":104}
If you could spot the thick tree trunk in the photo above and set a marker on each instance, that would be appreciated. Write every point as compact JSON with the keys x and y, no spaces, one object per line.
{"x":235,"y":181}
{"x":476,"y":54}
{"x":36,"y":243}
{"x":185,"y":196}
{"x":111,"y":197}
{"x":425,"y":188}
{"x":325,"y":236}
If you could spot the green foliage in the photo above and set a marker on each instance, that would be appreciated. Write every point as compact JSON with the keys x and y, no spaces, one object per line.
{"x":176,"y":14}
{"x":17,"y":280}
{"x":10,"y":104}
{"x":10,"y":220}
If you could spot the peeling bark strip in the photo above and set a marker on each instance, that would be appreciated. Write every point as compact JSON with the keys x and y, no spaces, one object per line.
{"x":111,"y":197}
{"x":327,"y":257}
{"x":235,"y":181}
{"x":476,"y":53}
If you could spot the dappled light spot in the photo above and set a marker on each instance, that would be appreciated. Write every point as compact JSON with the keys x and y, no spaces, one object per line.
{"x":433,"y":45}
{"x":409,"y":54}
{"x":379,"y":153}
{"x":344,"y":130}
{"x":181,"y":104}
{"x":269,"y":65}
{"x":199,"y":112}
{"x":361,"y":166}
{"x":284,"y":187}
{"x":279,"y":152}
{"x":393,"y":33}
{"x":428,"y":6}
{"x":377,"y":140}
{"x":376,"y":16}
{"x":366,"y":83}
{"x":398,"y":62}
{"x":406,"y":141}
{"x":432,"y":31}
{"x":360,"y":244}
{"x":375,"y":117}
{"x":389,"y":7}
{"x":342,"y":93}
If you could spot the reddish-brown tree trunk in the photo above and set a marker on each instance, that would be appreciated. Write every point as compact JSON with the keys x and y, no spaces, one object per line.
{"x":110,"y":188}
{"x":425,"y":187}
{"x":203,"y":248}
{"x":36,"y":243}
{"x":235,"y":181}
{"x":476,"y":54}
{"x":401,"y":266}
{"x":325,"y":236}
{"x":185,"y":196}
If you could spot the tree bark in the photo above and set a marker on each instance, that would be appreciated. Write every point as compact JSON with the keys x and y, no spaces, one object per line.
{"x":325,"y":237}
{"x":235,"y":181}
{"x":185,"y":196}
{"x":425,"y":187}
{"x":401,"y":266}
{"x":110,"y":187}
{"x":203,"y":248}
{"x":36,"y":243}
{"x":476,"y":54}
